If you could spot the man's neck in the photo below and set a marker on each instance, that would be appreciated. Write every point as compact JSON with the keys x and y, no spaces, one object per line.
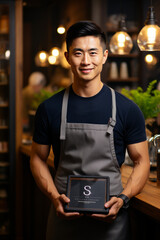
{"x":87,"y":89}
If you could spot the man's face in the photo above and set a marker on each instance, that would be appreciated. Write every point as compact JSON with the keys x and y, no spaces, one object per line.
{"x":86,"y":57}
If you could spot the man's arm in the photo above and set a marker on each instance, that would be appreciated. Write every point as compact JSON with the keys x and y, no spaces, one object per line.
{"x":139,"y":154}
{"x":44,"y":179}
{"x":40,"y":170}
{"x":140,"y":157}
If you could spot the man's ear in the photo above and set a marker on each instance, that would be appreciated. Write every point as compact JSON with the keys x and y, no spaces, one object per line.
{"x":66,"y":54}
{"x":105,"y":56}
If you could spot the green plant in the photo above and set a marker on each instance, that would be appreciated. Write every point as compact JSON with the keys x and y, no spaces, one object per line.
{"x":42,"y":96}
{"x":148,"y":101}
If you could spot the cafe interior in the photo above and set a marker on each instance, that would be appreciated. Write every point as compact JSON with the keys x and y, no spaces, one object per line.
{"x":32,"y":46}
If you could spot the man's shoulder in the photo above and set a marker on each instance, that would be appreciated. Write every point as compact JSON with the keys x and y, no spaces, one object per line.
{"x":51,"y":107}
{"x":124,"y":102}
{"x":54,"y":101}
{"x":127,"y":109}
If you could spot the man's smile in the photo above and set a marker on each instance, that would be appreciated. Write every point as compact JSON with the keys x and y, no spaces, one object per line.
{"x":86,"y":70}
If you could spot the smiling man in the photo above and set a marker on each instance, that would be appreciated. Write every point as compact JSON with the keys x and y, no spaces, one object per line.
{"x":89,"y":126}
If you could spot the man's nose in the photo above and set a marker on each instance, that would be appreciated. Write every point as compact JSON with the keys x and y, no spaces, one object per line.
{"x":86,"y":59}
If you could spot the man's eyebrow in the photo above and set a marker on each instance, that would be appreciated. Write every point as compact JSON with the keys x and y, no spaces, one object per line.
{"x":93,"y":49}
{"x":77,"y":49}
{"x":81,"y":50}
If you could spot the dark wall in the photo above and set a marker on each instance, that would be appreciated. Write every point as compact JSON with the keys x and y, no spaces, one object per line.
{"x":40,"y":20}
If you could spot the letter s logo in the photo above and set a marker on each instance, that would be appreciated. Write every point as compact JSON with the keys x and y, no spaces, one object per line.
{"x":88,"y":192}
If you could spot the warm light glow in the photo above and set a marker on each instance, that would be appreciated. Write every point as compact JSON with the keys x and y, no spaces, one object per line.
{"x":151,"y":33}
{"x":55,"y":52}
{"x":121,"y":40}
{"x":150,"y":59}
{"x":61,"y":30}
{"x":41,"y":59}
{"x":63,"y":60}
{"x":42,"y":56}
{"x":121,"y":43}
{"x":52,"y":60}
{"x":149,"y":38}
{"x":7,"y":54}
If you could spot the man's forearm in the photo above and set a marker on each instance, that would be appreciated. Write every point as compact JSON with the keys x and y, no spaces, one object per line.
{"x":43,"y":177}
{"x":136,"y":181}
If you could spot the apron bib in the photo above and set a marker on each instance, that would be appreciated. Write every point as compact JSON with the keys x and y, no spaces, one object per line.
{"x":86,"y":149}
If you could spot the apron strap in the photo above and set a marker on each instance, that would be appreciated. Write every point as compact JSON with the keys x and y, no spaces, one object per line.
{"x":112,"y":120}
{"x":111,"y":123}
{"x":64,"y":114}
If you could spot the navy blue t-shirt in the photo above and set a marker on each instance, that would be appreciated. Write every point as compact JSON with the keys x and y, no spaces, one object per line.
{"x":129,"y":128}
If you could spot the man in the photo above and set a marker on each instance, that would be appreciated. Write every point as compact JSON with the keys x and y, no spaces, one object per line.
{"x":89,"y":127}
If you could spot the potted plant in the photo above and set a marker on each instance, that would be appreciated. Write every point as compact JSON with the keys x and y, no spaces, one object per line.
{"x":148,"y":101}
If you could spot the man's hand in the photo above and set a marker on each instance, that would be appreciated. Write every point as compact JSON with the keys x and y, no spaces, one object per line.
{"x":59,"y":206}
{"x":114,"y":205}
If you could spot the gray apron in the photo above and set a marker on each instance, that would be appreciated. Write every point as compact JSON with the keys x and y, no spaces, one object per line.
{"x":87,"y":149}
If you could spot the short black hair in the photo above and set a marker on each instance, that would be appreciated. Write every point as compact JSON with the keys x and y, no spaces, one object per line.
{"x":82,"y":29}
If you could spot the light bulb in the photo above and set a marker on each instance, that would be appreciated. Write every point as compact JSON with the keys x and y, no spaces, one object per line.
{"x":55,"y":51}
{"x":42,"y":56}
{"x":121,"y":43}
{"x":7,"y":54}
{"x":54,"y":55}
{"x":61,"y":30}
{"x":150,"y":59}
{"x":41,"y":59}
{"x":52,"y":60}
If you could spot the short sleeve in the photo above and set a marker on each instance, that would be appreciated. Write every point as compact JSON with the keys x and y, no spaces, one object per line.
{"x":41,"y":126}
{"x":135,"y":125}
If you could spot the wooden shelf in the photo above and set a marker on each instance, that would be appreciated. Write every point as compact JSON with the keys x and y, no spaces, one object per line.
{"x":4,"y":182}
{"x":3,"y":83}
{"x":4,"y":210}
{"x":4,"y":164}
{"x":3,"y":105}
{"x":3,"y":127}
{"x":4,"y":34}
{"x":4,"y":234}
{"x":1,"y":152}
{"x":4,"y":59}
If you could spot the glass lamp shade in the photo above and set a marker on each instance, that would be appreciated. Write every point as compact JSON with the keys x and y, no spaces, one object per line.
{"x":149,"y":38}
{"x":121,"y":43}
{"x":41,"y":59}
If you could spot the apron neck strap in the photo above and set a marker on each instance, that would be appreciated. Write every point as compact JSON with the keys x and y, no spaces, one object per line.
{"x":112,"y":120}
{"x":111,"y":123}
{"x":64,"y":114}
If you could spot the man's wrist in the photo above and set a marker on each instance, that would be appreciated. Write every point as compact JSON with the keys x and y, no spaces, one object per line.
{"x":125,"y":199}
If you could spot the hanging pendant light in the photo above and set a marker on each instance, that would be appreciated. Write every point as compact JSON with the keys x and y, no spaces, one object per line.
{"x":41,"y":59}
{"x":149,"y":37}
{"x":121,"y":42}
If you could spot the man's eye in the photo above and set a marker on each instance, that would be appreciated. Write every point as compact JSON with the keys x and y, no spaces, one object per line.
{"x":77,"y":53}
{"x":93,"y":53}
